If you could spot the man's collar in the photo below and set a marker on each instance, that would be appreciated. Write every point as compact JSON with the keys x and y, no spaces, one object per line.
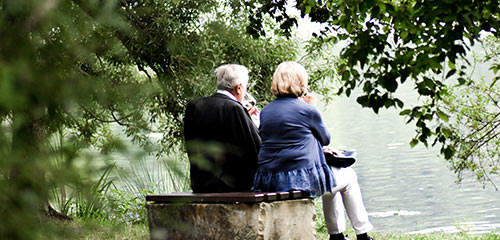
{"x":227,"y":93}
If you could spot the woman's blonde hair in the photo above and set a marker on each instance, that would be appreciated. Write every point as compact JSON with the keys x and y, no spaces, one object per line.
{"x":289,"y":79}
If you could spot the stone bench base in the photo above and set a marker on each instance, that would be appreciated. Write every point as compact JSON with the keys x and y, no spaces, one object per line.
{"x":290,"y":219}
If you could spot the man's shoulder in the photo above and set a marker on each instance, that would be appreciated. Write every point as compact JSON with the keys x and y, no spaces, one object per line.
{"x":201,"y":100}
{"x":224,"y":101}
{"x":216,"y":100}
{"x":216,"y":97}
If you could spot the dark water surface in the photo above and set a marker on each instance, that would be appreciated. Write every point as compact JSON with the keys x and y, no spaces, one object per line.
{"x":405,"y":189}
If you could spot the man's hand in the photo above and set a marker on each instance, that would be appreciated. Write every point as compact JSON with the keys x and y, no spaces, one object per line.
{"x":253,"y":111}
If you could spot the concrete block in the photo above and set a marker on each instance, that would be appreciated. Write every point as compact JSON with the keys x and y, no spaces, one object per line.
{"x":289,"y":219}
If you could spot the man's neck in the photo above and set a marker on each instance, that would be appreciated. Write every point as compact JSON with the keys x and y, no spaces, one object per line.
{"x":227,"y":93}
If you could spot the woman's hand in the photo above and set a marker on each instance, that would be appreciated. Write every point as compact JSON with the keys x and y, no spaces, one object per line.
{"x":333,"y":150}
{"x":310,"y":98}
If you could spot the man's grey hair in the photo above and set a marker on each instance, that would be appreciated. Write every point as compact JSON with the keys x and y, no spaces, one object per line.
{"x":230,"y":75}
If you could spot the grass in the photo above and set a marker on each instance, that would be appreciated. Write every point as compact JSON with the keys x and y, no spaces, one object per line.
{"x":437,"y":236}
{"x":428,"y":236}
{"x":116,"y":212}
{"x":116,"y":228}
{"x":89,"y":230}
{"x":323,"y":235}
{"x":96,"y":230}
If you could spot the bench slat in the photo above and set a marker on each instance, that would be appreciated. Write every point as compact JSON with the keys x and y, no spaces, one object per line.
{"x":232,"y":197}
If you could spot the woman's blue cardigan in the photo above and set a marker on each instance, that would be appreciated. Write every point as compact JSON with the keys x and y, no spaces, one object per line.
{"x":291,"y":155}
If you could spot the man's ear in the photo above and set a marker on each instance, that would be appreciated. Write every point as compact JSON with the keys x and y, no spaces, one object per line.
{"x":238,"y":89}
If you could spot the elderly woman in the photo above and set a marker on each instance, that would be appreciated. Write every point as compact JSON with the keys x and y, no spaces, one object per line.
{"x":291,"y":155}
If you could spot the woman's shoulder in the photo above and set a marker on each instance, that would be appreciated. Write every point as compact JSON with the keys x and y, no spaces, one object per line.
{"x":280,"y":102}
{"x":287,"y":104}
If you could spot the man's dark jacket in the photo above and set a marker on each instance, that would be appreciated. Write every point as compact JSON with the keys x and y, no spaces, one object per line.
{"x":222,"y":144}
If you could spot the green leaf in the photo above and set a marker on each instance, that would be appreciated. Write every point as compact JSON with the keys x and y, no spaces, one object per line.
{"x":434,"y":64}
{"x":399,"y":103}
{"x":308,"y":9}
{"x":446,"y":132}
{"x":389,"y":7}
{"x":429,"y":82}
{"x":443,"y":116}
{"x":363,"y":100}
{"x":355,"y":73}
{"x":392,"y":85}
{"x":494,"y":69}
{"x":348,"y":92}
{"x":468,"y":20}
{"x":424,"y":91}
{"x":389,"y":83}
{"x":340,"y":91}
{"x":451,"y":65}
{"x":413,"y":143}
{"x":448,"y":152}
{"x":345,"y":76}
{"x":388,"y":103}
{"x":375,"y":11}
{"x":451,"y":72}
{"x":405,"y":112}
{"x":404,"y":35}
{"x":404,"y":73}
{"x":367,"y":87}
{"x":495,"y":80}
{"x":461,"y":81}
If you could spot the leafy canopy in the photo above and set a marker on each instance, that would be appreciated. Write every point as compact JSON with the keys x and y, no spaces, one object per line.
{"x":388,"y":43}
{"x":80,"y":68}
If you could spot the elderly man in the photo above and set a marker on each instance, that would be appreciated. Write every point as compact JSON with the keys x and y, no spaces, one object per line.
{"x":221,"y":140}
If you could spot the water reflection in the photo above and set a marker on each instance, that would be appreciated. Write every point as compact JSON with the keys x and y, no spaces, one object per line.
{"x":405,"y":189}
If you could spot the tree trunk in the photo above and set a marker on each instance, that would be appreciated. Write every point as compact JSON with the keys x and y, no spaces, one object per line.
{"x":27,"y":173}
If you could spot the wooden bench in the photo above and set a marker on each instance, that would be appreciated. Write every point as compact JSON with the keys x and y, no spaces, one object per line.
{"x":237,"y":215}
{"x":233,"y":197}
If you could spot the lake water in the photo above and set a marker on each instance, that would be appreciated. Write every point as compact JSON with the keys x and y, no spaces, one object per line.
{"x":407,"y":189}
